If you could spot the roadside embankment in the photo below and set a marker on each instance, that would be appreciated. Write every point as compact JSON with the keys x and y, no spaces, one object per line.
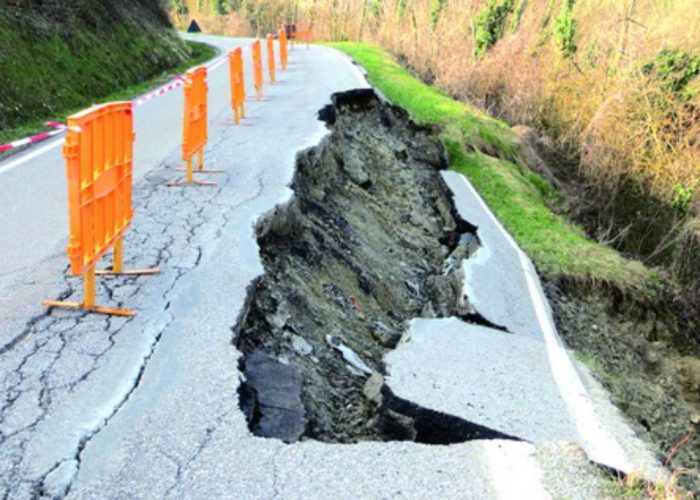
{"x":57,"y":58}
{"x":608,"y":307}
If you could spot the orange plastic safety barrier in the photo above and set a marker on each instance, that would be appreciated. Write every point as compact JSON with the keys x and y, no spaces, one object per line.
{"x":258,"y":68}
{"x":235,"y":59}
{"x":99,"y":161}
{"x":194,"y":129}
{"x":302,"y":34}
{"x":271,"y":57}
{"x":283,"y":47}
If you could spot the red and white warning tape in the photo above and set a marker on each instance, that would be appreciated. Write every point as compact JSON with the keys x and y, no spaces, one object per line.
{"x":38,"y":137}
{"x":29,"y":140}
{"x":61,"y":126}
{"x":218,"y":62}
{"x":178,"y":81}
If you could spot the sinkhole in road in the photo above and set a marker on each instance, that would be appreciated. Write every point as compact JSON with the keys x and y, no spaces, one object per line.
{"x":370,"y":240}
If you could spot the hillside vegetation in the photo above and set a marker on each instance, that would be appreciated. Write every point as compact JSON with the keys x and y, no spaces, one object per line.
{"x":641,"y":349}
{"x":612,"y":88}
{"x":58,"y":56}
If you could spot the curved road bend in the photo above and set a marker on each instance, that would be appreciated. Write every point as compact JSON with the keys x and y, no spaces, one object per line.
{"x":147,"y":407}
{"x":34,"y":218}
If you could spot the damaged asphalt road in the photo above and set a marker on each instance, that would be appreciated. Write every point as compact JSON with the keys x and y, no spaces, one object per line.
{"x":68,"y":376}
{"x":370,"y":241}
{"x":149,"y":407}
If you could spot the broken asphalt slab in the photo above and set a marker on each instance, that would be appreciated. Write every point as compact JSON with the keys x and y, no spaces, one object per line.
{"x":481,"y":375}
{"x":502,"y":282}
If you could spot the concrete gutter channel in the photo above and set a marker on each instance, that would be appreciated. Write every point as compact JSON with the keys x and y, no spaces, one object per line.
{"x":149,"y":407}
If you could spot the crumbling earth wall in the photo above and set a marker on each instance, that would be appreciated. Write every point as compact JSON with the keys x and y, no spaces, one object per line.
{"x":370,"y":240}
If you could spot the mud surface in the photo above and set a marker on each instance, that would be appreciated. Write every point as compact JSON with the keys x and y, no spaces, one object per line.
{"x":633,"y":350}
{"x":370,"y":240}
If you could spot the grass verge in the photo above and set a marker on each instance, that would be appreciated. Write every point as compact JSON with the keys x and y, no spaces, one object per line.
{"x":524,"y":202}
{"x":199,"y":53}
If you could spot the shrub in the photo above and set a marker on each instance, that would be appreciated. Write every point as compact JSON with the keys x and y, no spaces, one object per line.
{"x":436,"y":8}
{"x":675,"y":69}
{"x":489,"y":25}
{"x":565,"y":29}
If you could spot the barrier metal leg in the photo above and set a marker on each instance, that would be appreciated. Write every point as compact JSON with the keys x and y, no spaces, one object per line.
{"x":118,"y":264}
{"x":200,"y":165}
{"x":238,"y":115}
{"x":189,"y":179}
{"x":88,"y":303}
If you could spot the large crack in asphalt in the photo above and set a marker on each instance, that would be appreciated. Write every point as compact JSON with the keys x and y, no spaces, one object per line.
{"x":370,"y":240}
{"x":32,"y":377}
{"x":366,"y":286}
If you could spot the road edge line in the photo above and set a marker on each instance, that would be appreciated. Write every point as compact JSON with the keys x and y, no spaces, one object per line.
{"x":12,"y":164}
{"x":597,"y":441}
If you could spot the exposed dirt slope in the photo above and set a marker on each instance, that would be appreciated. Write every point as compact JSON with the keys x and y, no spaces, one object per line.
{"x":645,"y":357}
{"x":370,"y":240}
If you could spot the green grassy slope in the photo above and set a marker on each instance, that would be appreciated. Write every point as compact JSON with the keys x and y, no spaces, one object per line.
{"x":523,"y":201}
{"x":60,"y":57}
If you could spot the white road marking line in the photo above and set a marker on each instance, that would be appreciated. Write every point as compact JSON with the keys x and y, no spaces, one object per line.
{"x":515,"y":473}
{"x":30,"y":156}
{"x":598,"y":443}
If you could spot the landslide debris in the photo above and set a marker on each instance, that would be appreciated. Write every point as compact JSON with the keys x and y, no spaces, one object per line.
{"x":645,"y":358}
{"x":370,"y":240}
